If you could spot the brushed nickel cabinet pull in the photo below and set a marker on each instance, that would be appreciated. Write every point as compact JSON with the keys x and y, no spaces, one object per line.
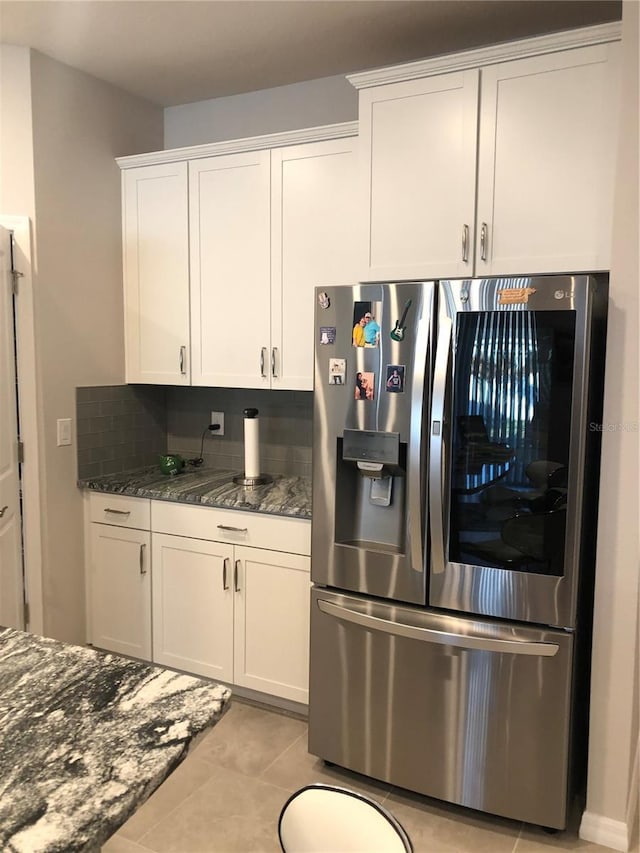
{"x":484,"y":232}
{"x":183,"y":360}
{"x":263,"y":351}
{"x":225,"y":564}
{"x":118,"y":511}
{"x":234,"y":529}
{"x":143,"y":571}
{"x":274,"y":350}
{"x":236,"y":571}
{"x":465,"y":243}
{"x":3,"y":510}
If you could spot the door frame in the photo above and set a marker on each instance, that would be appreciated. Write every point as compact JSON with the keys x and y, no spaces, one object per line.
{"x":20,"y":227}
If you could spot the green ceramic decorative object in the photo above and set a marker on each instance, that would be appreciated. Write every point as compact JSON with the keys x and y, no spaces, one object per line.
{"x":171,"y":463}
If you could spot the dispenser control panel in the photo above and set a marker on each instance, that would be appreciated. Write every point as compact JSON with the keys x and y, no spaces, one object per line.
{"x":359,"y":445}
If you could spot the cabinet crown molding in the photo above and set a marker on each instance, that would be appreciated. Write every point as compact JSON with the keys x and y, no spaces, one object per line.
{"x":477,"y":57}
{"x":321,"y":133}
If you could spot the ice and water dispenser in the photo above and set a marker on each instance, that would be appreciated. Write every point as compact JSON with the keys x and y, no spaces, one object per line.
{"x":370,"y":490}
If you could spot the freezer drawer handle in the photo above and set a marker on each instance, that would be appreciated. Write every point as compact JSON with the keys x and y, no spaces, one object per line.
{"x":443,"y":638}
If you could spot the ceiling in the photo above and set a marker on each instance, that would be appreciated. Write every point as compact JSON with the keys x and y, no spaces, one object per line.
{"x":178,"y":51}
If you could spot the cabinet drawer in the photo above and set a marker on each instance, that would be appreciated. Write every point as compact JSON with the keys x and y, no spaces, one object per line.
{"x":258,"y":530}
{"x":120,"y":511}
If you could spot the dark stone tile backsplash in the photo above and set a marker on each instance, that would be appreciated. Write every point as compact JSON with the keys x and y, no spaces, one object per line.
{"x":285,"y":427}
{"x":121,"y":427}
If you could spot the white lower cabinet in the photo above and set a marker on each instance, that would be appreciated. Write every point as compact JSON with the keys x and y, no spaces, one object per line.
{"x":232,"y":613}
{"x":228,"y":603}
{"x":192,"y":604}
{"x":202,"y":590}
{"x":271,"y":622}
{"x":119,"y":581}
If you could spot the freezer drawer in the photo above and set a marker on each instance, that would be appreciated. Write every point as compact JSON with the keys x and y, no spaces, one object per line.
{"x":475,"y":713}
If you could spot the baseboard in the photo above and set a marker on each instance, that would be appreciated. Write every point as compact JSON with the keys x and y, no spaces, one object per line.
{"x":634,"y":796}
{"x":615,"y":834}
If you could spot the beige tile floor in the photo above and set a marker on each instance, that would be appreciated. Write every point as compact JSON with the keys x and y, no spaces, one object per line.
{"x":227,"y":795}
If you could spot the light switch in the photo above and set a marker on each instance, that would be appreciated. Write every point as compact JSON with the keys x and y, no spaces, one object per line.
{"x":64,"y":431}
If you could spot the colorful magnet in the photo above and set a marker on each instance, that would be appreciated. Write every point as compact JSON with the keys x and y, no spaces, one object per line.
{"x":366,"y":331}
{"x":337,"y":371}
{"x":327,"y":334}
{"x":395,"y":378}
{"x":365,"y":386}
{"x":397,"y":333}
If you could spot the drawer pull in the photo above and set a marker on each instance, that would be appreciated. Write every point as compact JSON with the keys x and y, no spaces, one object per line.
{"x":143,"y":571}
{"x":234,"y":529}
{"x":3,"y":510}
{"x":225,"y":564}
{"x":118,"y":511}
{"x":236,"y":572}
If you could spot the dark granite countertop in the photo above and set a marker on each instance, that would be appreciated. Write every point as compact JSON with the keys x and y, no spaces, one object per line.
{"x":290,"y":496}
{"x":86,"y":737}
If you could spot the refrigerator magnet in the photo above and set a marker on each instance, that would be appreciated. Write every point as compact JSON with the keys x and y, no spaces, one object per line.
{"x":365,"y":386}
{"x":337,"y":371}
{"x":394,"y":383}
{"x":323,"y":300}
{"x":327,"y":335}
{"x":365,"y":330}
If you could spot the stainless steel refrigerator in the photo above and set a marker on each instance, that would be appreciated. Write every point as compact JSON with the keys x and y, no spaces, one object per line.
{"x":455,"y":478}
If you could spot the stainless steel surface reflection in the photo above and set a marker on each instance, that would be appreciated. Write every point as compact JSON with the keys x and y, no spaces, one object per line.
{"x":476,"y":713}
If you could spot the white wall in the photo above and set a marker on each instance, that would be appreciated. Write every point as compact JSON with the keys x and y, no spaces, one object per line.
{"x":613,"y":746}
{"x":316,"y":102}
{"x":72,"y":126}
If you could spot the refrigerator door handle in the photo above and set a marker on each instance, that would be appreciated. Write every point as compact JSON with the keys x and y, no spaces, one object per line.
{"x":415,"y":463}
{"x":442,"y":638}
{"x":436,"y":449}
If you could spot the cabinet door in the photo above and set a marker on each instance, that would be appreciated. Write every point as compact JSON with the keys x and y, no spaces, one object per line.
{"x":156,"y":274}
{"x":546,"y":164}
{"x":229,"y":208}
{"x":419,"y":142}
{"x":272,"y":623}
{"x":120,"y":590}
{"x":314,"y":243}
{"x":193,"y":605}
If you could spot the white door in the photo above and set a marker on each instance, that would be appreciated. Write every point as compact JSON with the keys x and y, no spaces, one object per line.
{"x":229,"y":211}
{"x":120,"y":590}
{"x":315,"y":242}
{"x":11,"y":577}
{"x":418,"y":146}
{"x":193,"y":605}
{"x":156,"y":273}
{"x":546,"y":163}
{"x":272,"y":623}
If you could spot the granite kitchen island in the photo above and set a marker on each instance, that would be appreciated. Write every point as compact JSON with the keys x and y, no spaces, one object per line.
{"x":86,"y":737}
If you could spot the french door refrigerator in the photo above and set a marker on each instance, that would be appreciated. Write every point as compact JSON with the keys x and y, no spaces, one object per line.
{"x":455,"y":479}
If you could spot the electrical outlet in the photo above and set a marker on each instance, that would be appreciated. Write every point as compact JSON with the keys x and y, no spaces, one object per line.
{"x":217,"y":418}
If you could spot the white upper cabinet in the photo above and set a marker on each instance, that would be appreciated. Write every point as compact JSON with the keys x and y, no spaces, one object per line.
{"x":156,"y":274}
{"x":229,"y":208}
{"x":418,"y":143}
{"x":545,"y":151}
{"x":223,"y":251}
{"x":546,"y":169}
{"x":314,"y":243}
